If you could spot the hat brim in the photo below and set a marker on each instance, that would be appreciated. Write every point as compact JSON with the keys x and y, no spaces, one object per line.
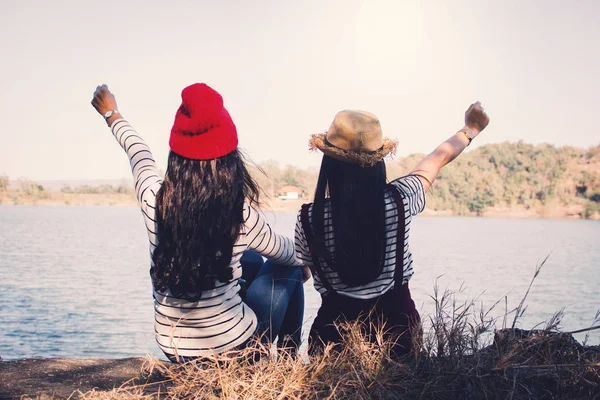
{"x":318,"y":142}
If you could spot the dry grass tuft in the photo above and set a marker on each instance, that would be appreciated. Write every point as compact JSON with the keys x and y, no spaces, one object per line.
{"x":462,"y":356}
{"x":517,"y":365}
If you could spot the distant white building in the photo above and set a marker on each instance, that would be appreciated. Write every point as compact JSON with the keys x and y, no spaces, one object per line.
{"x":289,"y":193}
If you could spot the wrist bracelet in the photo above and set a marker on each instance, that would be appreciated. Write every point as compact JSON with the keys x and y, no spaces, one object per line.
{"x":468,"y":134}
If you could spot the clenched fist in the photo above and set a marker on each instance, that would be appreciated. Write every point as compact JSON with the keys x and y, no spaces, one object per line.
{"x":475,"y":118}
{"x":104,"y":101}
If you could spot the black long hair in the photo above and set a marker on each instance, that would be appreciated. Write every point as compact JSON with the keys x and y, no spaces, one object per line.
{"x":199,"y":215}
{"x":356,"y":196}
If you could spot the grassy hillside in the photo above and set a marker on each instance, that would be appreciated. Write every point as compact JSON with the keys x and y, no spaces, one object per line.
{"x":506,"y":179}
{"x":495,"y":179}
{"x":517,"y":175}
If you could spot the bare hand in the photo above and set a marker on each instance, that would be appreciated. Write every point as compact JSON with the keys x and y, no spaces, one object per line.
{"x":475,"y":118}
{"x":305,"y":273}
{"x":104,"y":100}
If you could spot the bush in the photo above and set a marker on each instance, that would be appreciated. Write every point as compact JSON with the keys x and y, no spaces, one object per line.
{"x":34,"y":189}
{"x":4,"y":182}
{"x":101,"y":189}
{"x":592,"y":210}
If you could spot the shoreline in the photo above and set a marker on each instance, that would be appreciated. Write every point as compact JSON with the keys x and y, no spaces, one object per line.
{"x":57,"y":199}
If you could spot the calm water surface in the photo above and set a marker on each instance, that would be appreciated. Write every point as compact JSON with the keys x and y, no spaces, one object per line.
{"x":74,"y":280}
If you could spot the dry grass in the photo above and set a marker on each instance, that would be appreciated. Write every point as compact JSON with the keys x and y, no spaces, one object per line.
{"x":462,"y":356}
{"x":518,"y":365}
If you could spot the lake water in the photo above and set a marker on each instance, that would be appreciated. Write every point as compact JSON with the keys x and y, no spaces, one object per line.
{"x":74,"y":280}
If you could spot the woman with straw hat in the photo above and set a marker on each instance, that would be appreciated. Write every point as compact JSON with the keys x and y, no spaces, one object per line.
{"x":354,"y":237}
{"x":200,"y":220}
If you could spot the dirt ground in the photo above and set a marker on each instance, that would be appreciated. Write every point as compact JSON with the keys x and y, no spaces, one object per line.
{"x":60,"y":377}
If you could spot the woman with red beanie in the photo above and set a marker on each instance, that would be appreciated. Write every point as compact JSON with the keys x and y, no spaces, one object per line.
{"x":354,"y":236}
{"x":201,"y":221}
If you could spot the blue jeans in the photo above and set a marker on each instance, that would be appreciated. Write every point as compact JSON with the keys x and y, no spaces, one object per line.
{"x":276,"y":295}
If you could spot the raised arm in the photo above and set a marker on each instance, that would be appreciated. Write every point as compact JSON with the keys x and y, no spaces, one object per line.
{"x":146,"y":176}
{"x":428,"y":169}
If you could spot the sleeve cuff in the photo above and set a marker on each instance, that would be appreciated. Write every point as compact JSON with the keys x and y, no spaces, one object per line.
{"x":115,"y":122}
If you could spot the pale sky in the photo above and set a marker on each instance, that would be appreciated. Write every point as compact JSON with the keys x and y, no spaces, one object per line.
{"x":285,"y":68}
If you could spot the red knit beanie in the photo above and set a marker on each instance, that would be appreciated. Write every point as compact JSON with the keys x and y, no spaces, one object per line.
{"x":203,"y":129}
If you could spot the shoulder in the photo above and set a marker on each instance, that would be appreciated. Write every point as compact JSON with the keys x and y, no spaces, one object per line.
{"x":305,"y":211}
{"x":409,"y":185}
{"x":304,"y":208}
{"x":411,"y":188}
{"x":302,"y":219}
{"x":246,"y":210}
{"x":250,"y":213}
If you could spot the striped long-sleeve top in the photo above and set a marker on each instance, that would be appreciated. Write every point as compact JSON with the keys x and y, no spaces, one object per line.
{"x":220,"y":320}
{"x":413,"y":196}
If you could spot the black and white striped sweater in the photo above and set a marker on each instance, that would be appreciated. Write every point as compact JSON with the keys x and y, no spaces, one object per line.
{"x":413,"y":196}
{"x":220,"y":320}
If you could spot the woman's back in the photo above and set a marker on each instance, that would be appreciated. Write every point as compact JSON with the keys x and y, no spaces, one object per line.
{"x":413,"y":198}
{"x":199,"y":221}
{"x":218,"y":320}
{"x":355,"y":139}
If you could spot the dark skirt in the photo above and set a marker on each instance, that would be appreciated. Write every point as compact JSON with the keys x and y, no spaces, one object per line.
{"x":395,"y":308}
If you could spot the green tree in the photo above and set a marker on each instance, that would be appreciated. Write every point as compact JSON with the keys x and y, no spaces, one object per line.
{"x":481,"y":201}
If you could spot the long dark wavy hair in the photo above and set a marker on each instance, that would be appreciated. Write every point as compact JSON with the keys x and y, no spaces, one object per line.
{"x":356,"y":195}
{"x":199,"y":215}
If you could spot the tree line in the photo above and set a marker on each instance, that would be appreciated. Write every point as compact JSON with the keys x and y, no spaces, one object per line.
{"x":502,"y":175}
{"x":495,"y":175}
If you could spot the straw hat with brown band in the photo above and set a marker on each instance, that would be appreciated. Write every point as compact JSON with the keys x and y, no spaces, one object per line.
{"x":356,"y":137}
